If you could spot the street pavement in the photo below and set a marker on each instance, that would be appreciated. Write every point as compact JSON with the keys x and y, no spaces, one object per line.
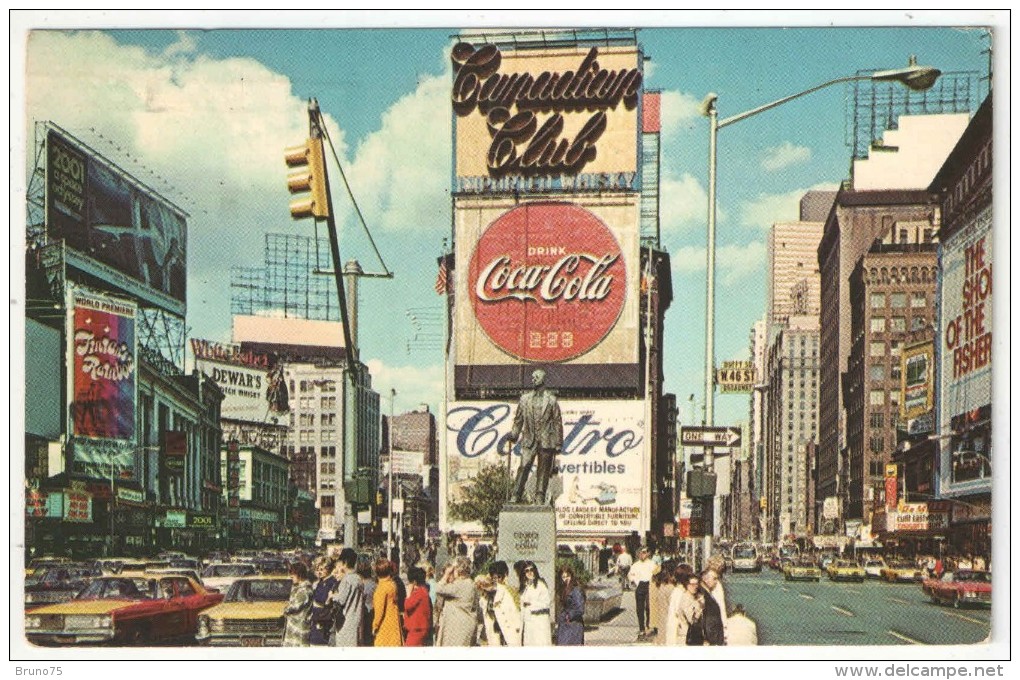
{"x":619,"y":629}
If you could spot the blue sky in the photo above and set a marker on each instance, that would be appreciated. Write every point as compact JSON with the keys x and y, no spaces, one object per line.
{"x":210,"y":112}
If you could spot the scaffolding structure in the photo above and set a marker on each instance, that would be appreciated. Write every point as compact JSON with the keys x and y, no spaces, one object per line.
{"x":293,"y":282}
{"x":161,"y":332}
{"x":873,"y":107}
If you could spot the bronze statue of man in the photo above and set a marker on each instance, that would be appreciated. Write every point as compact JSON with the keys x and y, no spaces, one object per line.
{"x":538,"y":425}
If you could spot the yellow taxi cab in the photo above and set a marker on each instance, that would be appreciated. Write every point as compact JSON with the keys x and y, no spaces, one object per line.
{"x":845,"y":570}
{"x":803,"y":569}
{"x":901,"y":570}
{"x":251,"y":614}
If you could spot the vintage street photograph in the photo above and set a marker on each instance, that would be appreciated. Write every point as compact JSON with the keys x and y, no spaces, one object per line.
{"x":665,"y":335}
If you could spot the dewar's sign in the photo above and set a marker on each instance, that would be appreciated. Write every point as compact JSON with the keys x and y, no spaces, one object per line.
{"x":547,"y":281}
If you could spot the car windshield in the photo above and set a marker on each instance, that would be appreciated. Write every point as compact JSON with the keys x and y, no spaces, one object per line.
{"x":229,"y":570}
{"x":845,"y":563}
{"x":268,"y":590}
{"x":902,"y":564}
{"x":743,"y":553}
{"x":974,"y":576}
{"x":117,"y":588}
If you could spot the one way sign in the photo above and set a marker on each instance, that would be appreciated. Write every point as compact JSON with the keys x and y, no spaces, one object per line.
{"x":710,"y":436}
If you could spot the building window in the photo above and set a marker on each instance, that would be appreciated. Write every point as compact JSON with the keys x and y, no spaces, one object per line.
{"x":327,"y":403}
{"x":329,"y":435}
{"x":918,"y":323}
{"x":898,"y":300}
{"x":894,"y":397}
{"x":878,"y":324}
{"x":898,"y":324}
{"x":877,"y":372}
{"x":904,"y":236}
{"x":326,"y":502}
{"x":877,"y":300}
{"x":876,"y":398}
{"x":328,"y":419}
{"x":918,"y":300}
{"x":875,"y":468}
{"x":878,"y":349}
{"x":875,"y":444}
{"x":307,"y":419}
{"x":895,"y":372}
{"x":877,"y":420}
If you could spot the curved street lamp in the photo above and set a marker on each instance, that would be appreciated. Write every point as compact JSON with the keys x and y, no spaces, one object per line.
{"x":915,"y":77}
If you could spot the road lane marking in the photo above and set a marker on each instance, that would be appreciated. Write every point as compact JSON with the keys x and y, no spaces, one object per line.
{"x":806,"y":596}
{"x":898,"y":600}
{"x":905,"y":638}
{"x":967,"y":618}
{"x":785,"y":589}
{"x":844,"y":612}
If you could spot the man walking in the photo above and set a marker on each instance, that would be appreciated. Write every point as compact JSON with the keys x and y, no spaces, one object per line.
{"x":641,"y":576}
{"x":623,"y":563}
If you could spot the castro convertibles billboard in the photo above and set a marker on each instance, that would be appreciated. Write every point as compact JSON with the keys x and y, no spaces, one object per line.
{"x":102,"y":214}
{"x":103,"y":376}
{"x":598,"y":486}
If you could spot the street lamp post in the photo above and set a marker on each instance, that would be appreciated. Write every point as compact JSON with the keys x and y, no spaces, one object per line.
{"x":389,"y":491}
{"x":913,"y":76}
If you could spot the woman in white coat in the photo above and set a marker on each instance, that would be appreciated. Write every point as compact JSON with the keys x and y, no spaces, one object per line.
{"x":683,"y":615}
{"x":535,"y":601}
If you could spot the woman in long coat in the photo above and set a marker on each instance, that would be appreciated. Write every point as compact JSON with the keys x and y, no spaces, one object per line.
{"x":570,"y":615}
{"x":684,"y":612}
{"x":417,"y":611}
{"x":659,"y":595}
{"x":322,"y":623}
{"x":535,"y":601}
{"x":386,"y":619}
{"x":456,"y":592}
{"x":298,"y":611}
{"x":349,"y":596}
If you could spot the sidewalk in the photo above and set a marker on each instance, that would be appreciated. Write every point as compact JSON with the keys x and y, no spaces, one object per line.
{"x":619,"y":629}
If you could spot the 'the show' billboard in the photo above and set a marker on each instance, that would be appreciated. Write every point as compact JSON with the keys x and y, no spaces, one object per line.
{"x":598,"y":487}
{"x":103,"y":378}
{"x":101,"y":214}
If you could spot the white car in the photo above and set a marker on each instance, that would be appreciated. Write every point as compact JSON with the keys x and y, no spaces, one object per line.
{"x":221,"y":575}
{"x":873,"y":567}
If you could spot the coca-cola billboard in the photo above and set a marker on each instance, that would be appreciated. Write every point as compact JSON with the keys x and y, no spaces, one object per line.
{"x":547,"y":281}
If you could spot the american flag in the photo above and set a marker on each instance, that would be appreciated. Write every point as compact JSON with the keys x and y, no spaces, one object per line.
{"x":441,"y":277}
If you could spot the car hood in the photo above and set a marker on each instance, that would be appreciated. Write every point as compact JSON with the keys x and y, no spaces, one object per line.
{"x":83,"y":607}
{"x":246,"y":610}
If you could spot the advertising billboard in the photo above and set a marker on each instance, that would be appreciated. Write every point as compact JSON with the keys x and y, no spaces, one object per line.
{"x":965,"y":356}
{"x":546,"y":120}
{"x":103,"y":380}
{"x":102,"y":214}
{"x":916,"y":380}
{"x":598,"y":487}
{"x":549,"y":283}
{"x":253,"y":384}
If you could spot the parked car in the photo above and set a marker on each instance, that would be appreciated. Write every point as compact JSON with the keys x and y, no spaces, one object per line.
{"x":37,"y":564}
{"x":803,"y":569}
{"x":251,"y":615}
{"x":57,"y":584}
{"x":901,"y":570}
{"x":221,"y":576}
{"x":123,"y":610}
{"x":873,"y":567}
{"x":845,"y":570}
{"x":962,"y":587}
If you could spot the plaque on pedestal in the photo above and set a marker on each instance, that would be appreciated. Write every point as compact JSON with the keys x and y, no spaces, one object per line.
{"x":528,"y":533}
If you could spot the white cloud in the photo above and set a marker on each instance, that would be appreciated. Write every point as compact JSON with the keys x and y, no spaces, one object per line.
{"x":415,"y":384}
{"x":679,"y":112}
{"x":767,"y":209}
{"x":733,"y":262}
{"x":683,"y":203}
{"x":785,"y":155}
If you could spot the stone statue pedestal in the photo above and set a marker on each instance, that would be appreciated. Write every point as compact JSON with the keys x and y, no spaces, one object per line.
{"x":528,"y":532}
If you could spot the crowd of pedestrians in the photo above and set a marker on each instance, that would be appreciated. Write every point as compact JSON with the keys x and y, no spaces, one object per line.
{"x":345,"y":602}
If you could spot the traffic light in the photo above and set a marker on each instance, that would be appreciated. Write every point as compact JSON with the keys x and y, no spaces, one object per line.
{"x":308,"y":175}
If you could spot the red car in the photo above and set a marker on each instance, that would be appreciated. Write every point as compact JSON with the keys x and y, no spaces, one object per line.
{"x":123,"y":610}
{"x":963,"y":587}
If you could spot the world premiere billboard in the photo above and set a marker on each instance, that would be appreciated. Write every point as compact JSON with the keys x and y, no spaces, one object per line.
{"x":599,"y":482}
{"x":127,"y":234}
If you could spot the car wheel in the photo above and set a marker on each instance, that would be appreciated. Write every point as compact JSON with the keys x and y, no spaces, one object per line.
{"x":956,"y":601}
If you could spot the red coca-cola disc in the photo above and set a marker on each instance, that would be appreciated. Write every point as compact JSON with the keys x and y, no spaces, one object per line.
{"x":547,"y":281}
